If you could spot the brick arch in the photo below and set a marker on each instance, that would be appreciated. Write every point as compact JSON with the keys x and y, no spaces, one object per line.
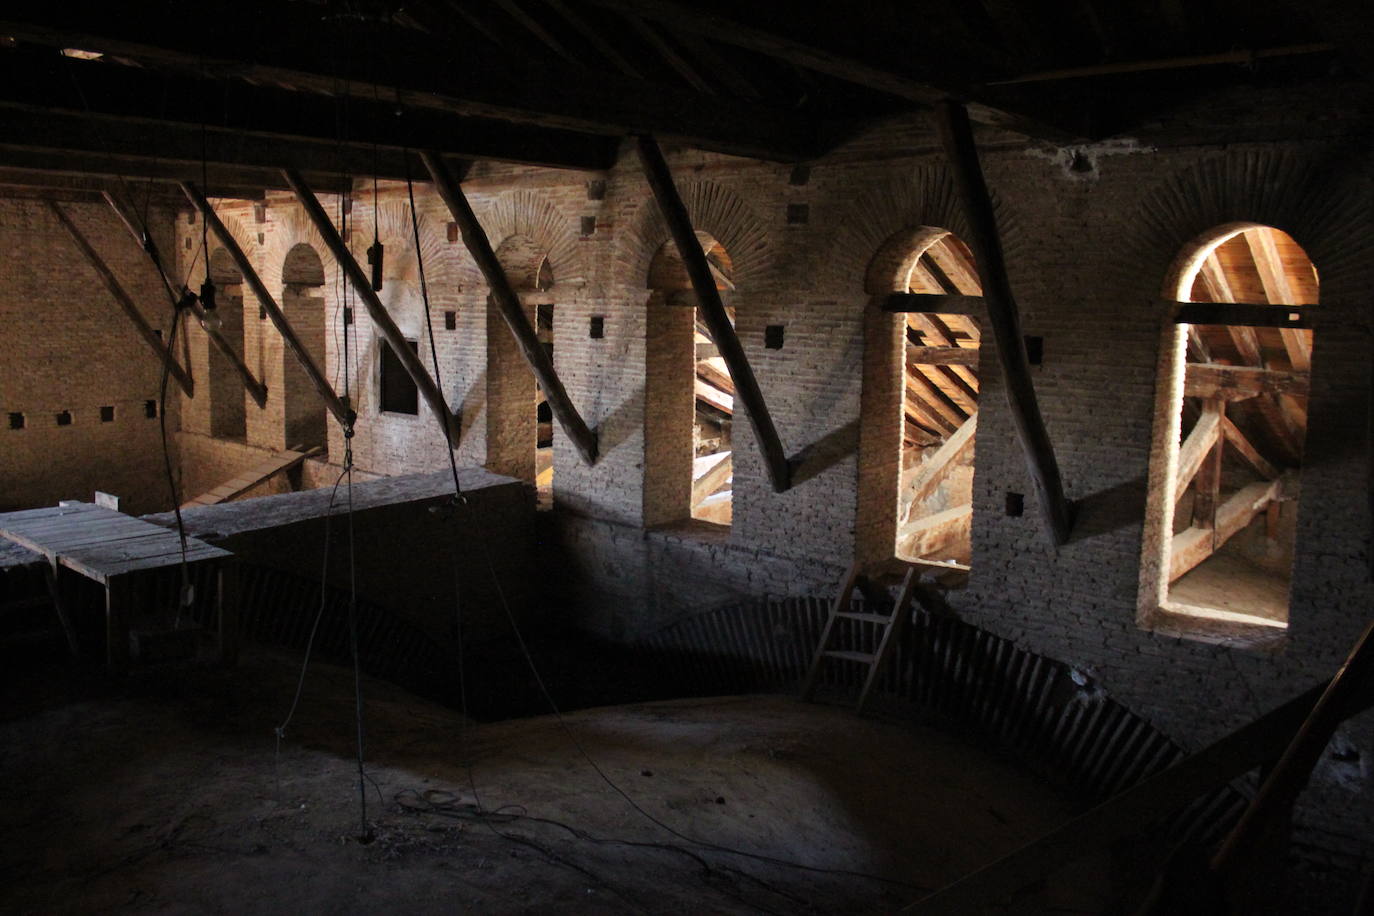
{"x":527,"y":213}
{"x":445,"y":264}
{"x":246,"y":240}
{"x":293,"y":228}
{"x":1306,"y":199}
{"x":904,"y":205}
{"x":714,"y":209}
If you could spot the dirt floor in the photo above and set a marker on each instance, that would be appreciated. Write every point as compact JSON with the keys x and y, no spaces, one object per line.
{"x":165,"y":793}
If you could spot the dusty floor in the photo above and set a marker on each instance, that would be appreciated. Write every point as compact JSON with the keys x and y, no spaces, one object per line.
{"x":1235,"y":584}
{"x":164,"y":794}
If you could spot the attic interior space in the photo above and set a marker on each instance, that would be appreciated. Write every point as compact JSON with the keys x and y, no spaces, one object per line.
{"x":632,"y":457}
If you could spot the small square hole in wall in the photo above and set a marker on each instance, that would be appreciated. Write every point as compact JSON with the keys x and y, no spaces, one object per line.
{"x":107,"y":414}
{"x":596,"y":189}
{"x":191,"y":218}
{"x":16,"y":421}
{"x":798,"y":214}
{"x":1016,"y":505}
{"x":64,"y":418}
{"x":262,"y":313}
{"x":588,"y":225}
{"x":1035,"y":349}
{"x":158,"y":332}
{"x":450,"y":321}
{"x":597,"y":329}
{"x":261,"y":238}
{"x":188,"y":243}
{"x":260,"y":214}
{"x":772,"y":337}
{"x":801,"y":174}
{"x":348,"y":315}
{"x":452,"y":232}
{"x":150,"y":409}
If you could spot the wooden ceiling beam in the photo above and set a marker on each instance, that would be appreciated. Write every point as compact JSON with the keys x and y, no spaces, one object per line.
{"x":418,"y":70}
{"x":1277,"y":289}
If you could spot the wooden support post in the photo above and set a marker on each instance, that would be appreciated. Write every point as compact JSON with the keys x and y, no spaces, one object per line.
{"x":126,"y":303}
{"x":362,"y":285}
{"x":1207,"y":484}
{"x":508,"y":303}
{"x":336,"y":406}
{"x":256,"y":389}
{"x":713,"y":312}
{"x":957,"y":137}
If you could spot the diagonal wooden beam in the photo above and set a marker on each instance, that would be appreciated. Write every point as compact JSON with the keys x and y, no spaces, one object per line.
{"x":1246,"y":450}
{"x":1197,"y":446}
{"x":713,"y":477}
{"x":933,"y":471}
{"x":1265,"y":252}
{"x":713,"y":311}
{"x":381,"y":319}
{"x":126,"y":303}
{"x":957,"y":137}
{"x":508,"y":303}
{"x":1193,"y":545}
{"x":341,"y":411}
{"x":256,"y":389}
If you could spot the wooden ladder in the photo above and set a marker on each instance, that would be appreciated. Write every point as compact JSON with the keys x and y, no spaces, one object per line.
{"x":891,"y":623}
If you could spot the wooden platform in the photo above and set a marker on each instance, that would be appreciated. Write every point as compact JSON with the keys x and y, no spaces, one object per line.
{"x":109,"y":547}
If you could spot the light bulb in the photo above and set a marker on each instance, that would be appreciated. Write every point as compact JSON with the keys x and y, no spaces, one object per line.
{"x":211,"y":321}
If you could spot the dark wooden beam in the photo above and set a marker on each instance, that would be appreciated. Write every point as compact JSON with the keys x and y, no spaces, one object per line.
{"x":1255,"y":315}
{"x":1247,"y":451}
{"x":250,"y":124}
{"x":337,"y":407}
{"x":422,"y":70}
{"x":772,"y":41}
{"x":932,"y":302}
{"x":713,"y":312}
{"x":1194,"y":544}
{"x":256,"y":389}
{"x":508,"y":303}
{"x":240,"y":182}
{"x":1239,"y":383}
{"x":942,"y":356}
{"x":984,"y":240}
{"x":125,"y":302}
{"x":381,"y":319}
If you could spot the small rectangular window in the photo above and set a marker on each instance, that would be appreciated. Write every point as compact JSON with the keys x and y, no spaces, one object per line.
{"x":772,"y":336}
{"x":588,"y":225}
{"x":450,"y":321}
{"x":107,"y":414}
{"x":64,"y":418}
{"x":798,"y":214}
{"x":597,"y":330}
{"x":399,"y":394}
{"x":16,"y":421}
{"x":150,"y":409}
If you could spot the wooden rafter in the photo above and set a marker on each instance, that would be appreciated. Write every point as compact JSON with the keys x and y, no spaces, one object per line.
{"x":957,"y":137}
{"x":1238,"y":383}
{"x":124,"y":301}
{"x":1198,"y":445}
{"x":1207,"y":483}
{"x":954,"y":449}
{"x":1193,"y":545}
{"x":1246,"y":450}
{"x":381,"y":318}
{"x":713,"y":313}
{"x":1277,"y":289}
{"x":342,"y":412}
{"x":508,"y":303}
{"x":715,"y":476}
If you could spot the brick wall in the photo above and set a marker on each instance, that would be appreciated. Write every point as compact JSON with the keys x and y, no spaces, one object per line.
{"x":69,"y":349}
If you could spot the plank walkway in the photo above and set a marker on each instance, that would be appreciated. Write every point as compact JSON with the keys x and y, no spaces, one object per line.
{"x":263,"y":470}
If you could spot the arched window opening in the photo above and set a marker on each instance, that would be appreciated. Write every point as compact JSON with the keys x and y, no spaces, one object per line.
{"x":228,"y":417}
{"x":689,"y":395}
{"x":303,"y":304}
{"x":1223,"y":505}
{"x":920,"y":405}
{"x":520,"y":425}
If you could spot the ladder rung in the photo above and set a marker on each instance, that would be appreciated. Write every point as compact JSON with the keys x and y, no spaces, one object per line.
{"x":864,"y":657}
{"x":871,"y":618}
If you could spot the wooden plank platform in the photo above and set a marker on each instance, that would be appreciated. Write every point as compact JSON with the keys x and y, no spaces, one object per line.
{"x":100,"y":543}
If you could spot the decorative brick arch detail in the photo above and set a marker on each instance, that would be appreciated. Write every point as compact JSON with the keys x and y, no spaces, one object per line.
{"x":445,"y":264}
{"x":247,"y":241}
{"x":714,"y":209}
{"x":1324,"y":214}
{"x":293,"y":228}
{"x":901,"y":206}
{"x":527,"y":213}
